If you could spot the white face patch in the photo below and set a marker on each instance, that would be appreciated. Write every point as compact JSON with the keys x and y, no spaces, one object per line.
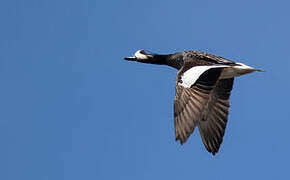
{"x":190,"y":76}
{"x":139,"y":55}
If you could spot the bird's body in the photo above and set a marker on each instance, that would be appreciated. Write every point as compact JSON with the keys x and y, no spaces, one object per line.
{"x":203,"y":86}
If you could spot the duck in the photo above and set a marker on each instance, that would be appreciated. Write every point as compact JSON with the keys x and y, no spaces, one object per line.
{"x":202,"y":91}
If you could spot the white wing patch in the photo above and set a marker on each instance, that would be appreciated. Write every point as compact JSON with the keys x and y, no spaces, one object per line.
{"x":190,"y":76}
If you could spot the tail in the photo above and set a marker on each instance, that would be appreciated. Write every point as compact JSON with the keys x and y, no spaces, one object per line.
{"x":242,"y":69}
{"x":260,"y":70}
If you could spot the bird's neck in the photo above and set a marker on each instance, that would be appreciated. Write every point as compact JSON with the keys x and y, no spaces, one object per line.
{"x":173,"y":60}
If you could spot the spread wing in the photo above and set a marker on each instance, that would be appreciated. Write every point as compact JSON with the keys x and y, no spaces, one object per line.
{"x":202,"y":100}
{"x":213,"y":123}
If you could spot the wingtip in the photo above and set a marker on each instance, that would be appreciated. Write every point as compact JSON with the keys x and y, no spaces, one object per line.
{"x":214,"y":153}
{"x":180,"y":140}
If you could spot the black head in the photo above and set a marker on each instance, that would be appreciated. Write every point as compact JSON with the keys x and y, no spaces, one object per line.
{"x":144,"y":56}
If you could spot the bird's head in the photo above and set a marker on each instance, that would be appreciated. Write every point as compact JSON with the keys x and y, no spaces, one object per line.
{"x":143,"y":56}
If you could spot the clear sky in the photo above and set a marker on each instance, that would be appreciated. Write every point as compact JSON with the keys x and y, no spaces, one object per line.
{"x":71,"y":108}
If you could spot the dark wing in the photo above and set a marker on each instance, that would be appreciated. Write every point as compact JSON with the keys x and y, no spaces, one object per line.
{"x":215,"y":116}
{"x":193,"y":106}
{"x":190,"y":102}
{"x":188,"y":105}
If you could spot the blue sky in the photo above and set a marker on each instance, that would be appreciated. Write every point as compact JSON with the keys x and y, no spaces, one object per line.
{"x":72,"y":108}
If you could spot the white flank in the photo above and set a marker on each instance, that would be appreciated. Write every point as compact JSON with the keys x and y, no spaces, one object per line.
{"x":190,"y":76}
{"x":235,"y":71}
{"x":243,"y":66}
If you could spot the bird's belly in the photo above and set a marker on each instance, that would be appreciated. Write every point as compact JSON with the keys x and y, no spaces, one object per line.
{"x":235,"y":71}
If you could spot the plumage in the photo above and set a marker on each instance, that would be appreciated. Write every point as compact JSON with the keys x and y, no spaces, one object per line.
{"x":203,"y":87}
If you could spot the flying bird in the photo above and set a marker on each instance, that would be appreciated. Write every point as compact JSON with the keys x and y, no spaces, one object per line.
{"x":203,"y":87}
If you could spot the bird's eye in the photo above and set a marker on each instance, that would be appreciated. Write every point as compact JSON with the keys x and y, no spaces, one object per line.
{"x":143,"y":52}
